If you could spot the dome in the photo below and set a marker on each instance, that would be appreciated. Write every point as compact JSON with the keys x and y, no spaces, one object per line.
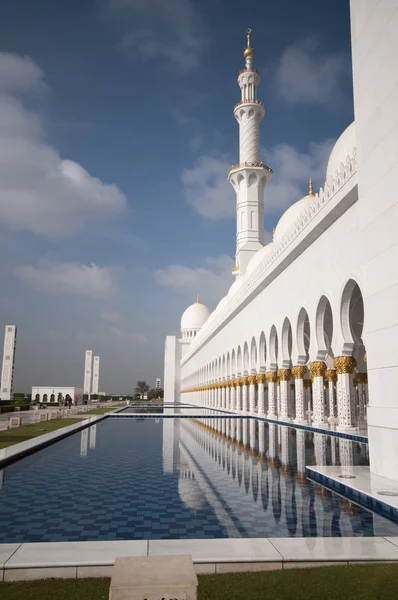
{"x":222,"y":303}
{"x":258,"y":258}
{"x":343,"y":147}
{"x":293,"y":213}
{"x":195,"y":316}
{"x":235,"y":286}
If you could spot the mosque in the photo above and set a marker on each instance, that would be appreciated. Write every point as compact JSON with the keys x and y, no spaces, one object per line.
{"x":308,"y":331}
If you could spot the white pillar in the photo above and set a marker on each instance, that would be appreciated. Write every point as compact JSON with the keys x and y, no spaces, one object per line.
{"x":298,"y":373}
{"x":317,"y":370}
{"x":344,"y":366}
{"x":331,"y":377}
{"x":233,"y":396}
{"x":260,"y":382}
{"x":238,"y":395}
{"x":285,"y":376}
{"x":245,"y":395}
{"x":252,"y":393}
{"x":271,"y":378}
{"x":223,"y":395}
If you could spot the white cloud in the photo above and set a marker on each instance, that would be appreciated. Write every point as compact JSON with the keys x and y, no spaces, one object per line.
{"x":307,"y":75}
{"x":130,"y":337}
{"x":39,"y":191}
{"x":292,"y":170}
{"x":211,"y":281}
{"x":112,"y":316}
{"x":206,"y":189}
{"x":71,"y":278}
{"x":158,"y":29}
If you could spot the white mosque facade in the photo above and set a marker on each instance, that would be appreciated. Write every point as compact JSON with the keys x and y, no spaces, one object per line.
{"x":308,"y":332}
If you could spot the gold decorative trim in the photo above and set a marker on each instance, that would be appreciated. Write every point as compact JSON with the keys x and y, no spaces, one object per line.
{"x":298,"y":371}
{"x":260,"y":378}
{"x":284,"y":374}
{"x":331,"y":375}
{"x":250,"y":164}
{"x":271,"y":377}
{"x":344,"y":364}
{"x":317,"y":369}
{"x":251,"y":379}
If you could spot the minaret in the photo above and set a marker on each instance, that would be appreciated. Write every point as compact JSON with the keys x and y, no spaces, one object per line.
{"x":250,"y":176}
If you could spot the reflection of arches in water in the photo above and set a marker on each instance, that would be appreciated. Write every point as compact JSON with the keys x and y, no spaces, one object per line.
{"x":233,"y":463}
{"x":336,"y":520}
{"x":312,"y":514}
{"x":264,"y":488}
{"x":229,"y":450}
{"x":246,"y":472}
{"x":223,"y":456}
{"x":276,"y":494}
{"x":240,"y":469}
{"x":291,"y":506}
{"x":254,"y":483}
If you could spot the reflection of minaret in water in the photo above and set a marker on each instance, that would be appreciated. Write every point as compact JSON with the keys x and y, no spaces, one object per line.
{"x":84,"y":442}
{"x":93,"y":436}
{"x":170,"y":445}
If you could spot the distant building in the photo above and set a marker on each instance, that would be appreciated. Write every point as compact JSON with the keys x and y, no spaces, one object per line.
{"x":44,"y":394}
{"x":96,"y":368}
{"x":88,"y":364}
{"x":7,"y":371}
{"x":158,"y":384}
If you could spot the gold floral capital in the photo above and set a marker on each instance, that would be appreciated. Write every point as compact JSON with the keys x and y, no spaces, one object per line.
{"x":361,"y":377}
{"x":331,"y":375}
{"x":299,"y":371}
{"x":317,"y":369}
{"x":271,"y":377}
{"x":260,"y":378}
{"x":307,"y":383}
{"x":251,"y":379}
{"x":244,"y":381}
{"x":284,"y":374}
{"x":344,"y":364}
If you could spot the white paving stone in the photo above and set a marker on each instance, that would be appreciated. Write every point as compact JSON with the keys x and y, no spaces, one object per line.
{"x":331,"y":549}
{"x":365,"y":481}
{"x":6,"y":551}
{"x":218,"y":550}
{"x":65,"y":554}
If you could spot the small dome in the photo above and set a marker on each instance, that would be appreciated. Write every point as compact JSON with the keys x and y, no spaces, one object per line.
{"x":292,"y":213}
{"x":195,"y":316}
{"x":258,"y":258}
{"x":343,"y":147}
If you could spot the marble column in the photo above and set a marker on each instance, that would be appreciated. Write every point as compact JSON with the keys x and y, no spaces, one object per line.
{"x":361,"y":395}
{"x":317,"y":371}
{"x":298,"y":373}
{"x":345,"y":366}
{"x":223,"y":394}
{"x":260,"y":382}
{"x":245,"y":394}
{"x":252,"y":393}
{"x":278,"y":397}
{"x":292,"y":402}
{"x":233,"y":396}
{"x":331,"y":377}
{"x":271,"y":378}
{"x":285,"y":376}
{"x":307,"y":399}
{"x":238,"y":395}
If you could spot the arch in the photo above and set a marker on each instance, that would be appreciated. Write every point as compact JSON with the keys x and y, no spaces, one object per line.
{"x":223,"y":367}
{"x":253,"y":355}
{"x":324,"y":329}
{"x":233,"y":363}
{"x":273,"y":349}
{"x":239,"y":362}
{"x":352,"y":319}
{"x":286,"y":344}
{"x":303,"y":337}
{"x":252,"y":179}
{"x":262,"y":361}
{"x":245,"y":358}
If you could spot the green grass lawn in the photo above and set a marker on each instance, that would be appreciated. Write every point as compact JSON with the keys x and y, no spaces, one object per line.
{"x":367,"y":582}
{"x":21,"y":434}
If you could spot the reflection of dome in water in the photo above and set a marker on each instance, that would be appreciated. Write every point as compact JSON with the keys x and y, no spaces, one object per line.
{"x":189,"y":490}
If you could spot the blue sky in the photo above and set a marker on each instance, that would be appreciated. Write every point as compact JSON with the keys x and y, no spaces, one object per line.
{"x":116,"y":133}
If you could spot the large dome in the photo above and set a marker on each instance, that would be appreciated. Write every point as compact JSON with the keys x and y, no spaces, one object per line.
{"x":258,"y":258}
{"x":195,"y":316}
{"x":293,"y":213}
{"x":343,"y":147}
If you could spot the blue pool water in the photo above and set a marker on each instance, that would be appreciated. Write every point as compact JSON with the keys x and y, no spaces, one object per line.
{"x":154,"y":478}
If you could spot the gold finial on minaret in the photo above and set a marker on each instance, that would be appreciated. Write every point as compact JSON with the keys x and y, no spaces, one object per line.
{"x":249,"y":51}
{"x":197,"y":298}
{"x":311,"y":188}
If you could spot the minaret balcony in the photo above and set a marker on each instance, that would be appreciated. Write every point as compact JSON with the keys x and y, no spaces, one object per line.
{"x":243,"y":165}
{"x":253,"y":101}
{"x":251,"y":70}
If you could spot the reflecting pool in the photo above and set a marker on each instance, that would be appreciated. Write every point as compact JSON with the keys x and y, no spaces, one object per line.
{"x":158,"y":478}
